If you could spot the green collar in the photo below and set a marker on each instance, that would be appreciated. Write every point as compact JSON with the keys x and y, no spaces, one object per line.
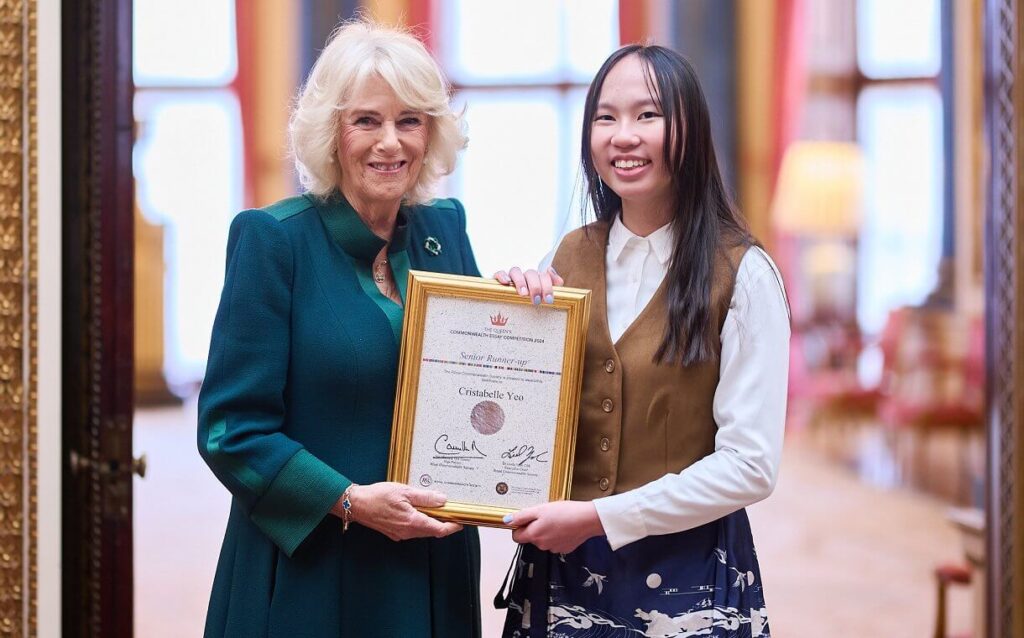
{"x":347,"y":228}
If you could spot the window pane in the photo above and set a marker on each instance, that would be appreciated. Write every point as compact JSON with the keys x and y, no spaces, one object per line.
{"x":592,"y":33}
{"x":567,"y":41}
{"x":184,"y":43}
{"x":901,"y":239}
{"x":898,"y":39}
{"x":484,"y":35}
{"x":510,"y":178}
{"x":188,"y":169}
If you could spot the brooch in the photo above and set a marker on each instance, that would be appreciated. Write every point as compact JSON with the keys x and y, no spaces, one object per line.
{"x":432,"y":246}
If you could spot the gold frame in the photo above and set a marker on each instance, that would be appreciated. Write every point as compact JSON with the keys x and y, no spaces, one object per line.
{"x":422,"y":285}
{"x":19,"y":310}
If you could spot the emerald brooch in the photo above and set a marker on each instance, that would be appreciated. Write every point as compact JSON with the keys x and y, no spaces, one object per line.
{"x":432,"y":246}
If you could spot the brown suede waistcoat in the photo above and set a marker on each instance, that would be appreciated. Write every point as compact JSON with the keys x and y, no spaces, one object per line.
{"x":639,"y":420}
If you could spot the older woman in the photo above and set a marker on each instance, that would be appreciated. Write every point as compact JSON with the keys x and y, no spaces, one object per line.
{"x":295,"y":412}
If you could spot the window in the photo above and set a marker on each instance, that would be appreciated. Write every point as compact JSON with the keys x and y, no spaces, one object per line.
{"x":899,"y":126}
{"x":188,"y":161}
{"x":524,"y":113}
{"x":873,"y":71}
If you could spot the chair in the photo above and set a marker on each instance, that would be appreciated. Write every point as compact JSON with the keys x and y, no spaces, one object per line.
{"x":937,"y":385}
{"x":839,"y":401}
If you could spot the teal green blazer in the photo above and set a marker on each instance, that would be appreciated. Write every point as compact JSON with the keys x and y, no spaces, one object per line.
{"x":297,"y":404}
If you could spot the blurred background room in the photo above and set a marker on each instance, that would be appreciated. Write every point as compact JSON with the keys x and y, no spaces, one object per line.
{"x":851,"y":134}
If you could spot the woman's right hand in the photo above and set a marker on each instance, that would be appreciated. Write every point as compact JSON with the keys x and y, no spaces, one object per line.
{"x":534,"y":284}
{"x":390,"y":508}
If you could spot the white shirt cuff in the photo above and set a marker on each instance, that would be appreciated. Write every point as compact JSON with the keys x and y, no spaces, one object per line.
{"x":621,"y":518}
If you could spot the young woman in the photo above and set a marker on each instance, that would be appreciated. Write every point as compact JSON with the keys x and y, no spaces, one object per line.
{"x":684,"y":392}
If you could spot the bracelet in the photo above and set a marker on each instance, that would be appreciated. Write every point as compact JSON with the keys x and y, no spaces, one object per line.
{"x":346,"y":507}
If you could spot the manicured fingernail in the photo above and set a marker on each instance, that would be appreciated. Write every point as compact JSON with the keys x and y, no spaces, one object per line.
{"x":523,"y":290}
{"x":507,"y":519}
{"x":549,"y":298}
{"x":536,"y":300}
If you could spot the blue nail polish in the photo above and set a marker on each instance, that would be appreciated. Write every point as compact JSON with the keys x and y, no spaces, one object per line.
{"x":550,"y":298}
{"x":507,"y":519}
{"x":536,"y":300}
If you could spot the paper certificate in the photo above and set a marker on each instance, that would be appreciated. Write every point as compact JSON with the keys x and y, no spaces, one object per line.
{"x":488,"y":394}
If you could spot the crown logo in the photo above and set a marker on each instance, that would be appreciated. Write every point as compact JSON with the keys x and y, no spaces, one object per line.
{"x":498,"y":319}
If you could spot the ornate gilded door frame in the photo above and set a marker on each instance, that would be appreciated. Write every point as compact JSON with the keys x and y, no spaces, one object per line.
{"x":97,"y":332}
{"x":1004,"y":283}
{"x":18,"y":314}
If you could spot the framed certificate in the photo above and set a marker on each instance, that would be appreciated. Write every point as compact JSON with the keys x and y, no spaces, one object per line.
{"x":488,"y":394}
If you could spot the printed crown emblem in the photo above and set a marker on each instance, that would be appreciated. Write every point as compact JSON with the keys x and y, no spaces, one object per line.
{"x":498,"y":319}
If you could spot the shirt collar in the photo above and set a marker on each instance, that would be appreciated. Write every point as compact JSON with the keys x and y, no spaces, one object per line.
{"x":346,"y":227}
{"x":660,"y":240}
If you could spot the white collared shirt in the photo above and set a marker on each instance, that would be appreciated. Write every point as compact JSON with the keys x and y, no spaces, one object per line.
{"x":634,"y":269}
{"x":749,"y":404}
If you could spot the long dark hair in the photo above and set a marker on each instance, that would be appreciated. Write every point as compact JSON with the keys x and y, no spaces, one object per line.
{"x":706,"y":222}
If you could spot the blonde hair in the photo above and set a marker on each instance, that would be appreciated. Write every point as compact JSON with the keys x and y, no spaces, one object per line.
{"x":358,"y":50}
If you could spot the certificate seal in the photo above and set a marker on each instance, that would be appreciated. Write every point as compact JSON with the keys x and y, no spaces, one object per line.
{"x":487,"y":417}
{"x":426,"y":481}
{"x":501,"y":488}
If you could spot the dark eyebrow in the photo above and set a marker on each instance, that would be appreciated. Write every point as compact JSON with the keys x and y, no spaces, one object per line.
{"x":638,"y":104}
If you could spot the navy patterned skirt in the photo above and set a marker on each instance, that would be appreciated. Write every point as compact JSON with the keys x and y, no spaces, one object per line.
{"x":701,"y":582}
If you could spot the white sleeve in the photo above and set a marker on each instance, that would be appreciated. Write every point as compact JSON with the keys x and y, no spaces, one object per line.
{"x":749,"y":409}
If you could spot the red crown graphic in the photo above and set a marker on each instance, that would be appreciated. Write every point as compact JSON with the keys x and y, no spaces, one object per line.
{"x":498,"y":319}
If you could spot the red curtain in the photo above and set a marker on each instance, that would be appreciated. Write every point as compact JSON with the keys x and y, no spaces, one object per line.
{"x":790,"y":75}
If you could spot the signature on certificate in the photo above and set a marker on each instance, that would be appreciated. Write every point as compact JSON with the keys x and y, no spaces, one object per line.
{"x":461,"y":450}
{"x":524,"y":454}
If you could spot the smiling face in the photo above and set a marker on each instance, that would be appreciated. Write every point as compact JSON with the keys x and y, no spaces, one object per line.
{"x":381,"y":145}
{"x":627,"y":138}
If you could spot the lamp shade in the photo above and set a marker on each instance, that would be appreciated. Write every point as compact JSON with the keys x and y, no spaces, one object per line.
{"x":820,"y":189}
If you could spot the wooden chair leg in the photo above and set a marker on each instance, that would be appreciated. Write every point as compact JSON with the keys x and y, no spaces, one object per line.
{"x":940,"y":610}
{"x":946,"y":575}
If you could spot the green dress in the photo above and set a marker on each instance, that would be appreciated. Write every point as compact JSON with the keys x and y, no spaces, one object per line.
{"x":297,"y":404}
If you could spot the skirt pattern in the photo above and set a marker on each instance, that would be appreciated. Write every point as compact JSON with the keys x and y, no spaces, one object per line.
{"x":701,"y":582}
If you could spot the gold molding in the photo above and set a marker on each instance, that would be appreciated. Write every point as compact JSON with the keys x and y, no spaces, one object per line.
{"x":18,"y":318}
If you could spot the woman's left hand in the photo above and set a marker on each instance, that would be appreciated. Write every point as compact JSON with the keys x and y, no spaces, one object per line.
{"x":559,"y":527}
{"x":531,"y":283}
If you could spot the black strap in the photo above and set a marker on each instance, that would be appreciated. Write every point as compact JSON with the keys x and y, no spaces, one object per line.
{"x":502,"y":598}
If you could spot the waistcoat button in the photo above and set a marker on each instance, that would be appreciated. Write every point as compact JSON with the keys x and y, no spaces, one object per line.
{"x":605,"y":444}
{"x":603,"y":484}
{"x":607,"y":405}
{"x":609,"y":366}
